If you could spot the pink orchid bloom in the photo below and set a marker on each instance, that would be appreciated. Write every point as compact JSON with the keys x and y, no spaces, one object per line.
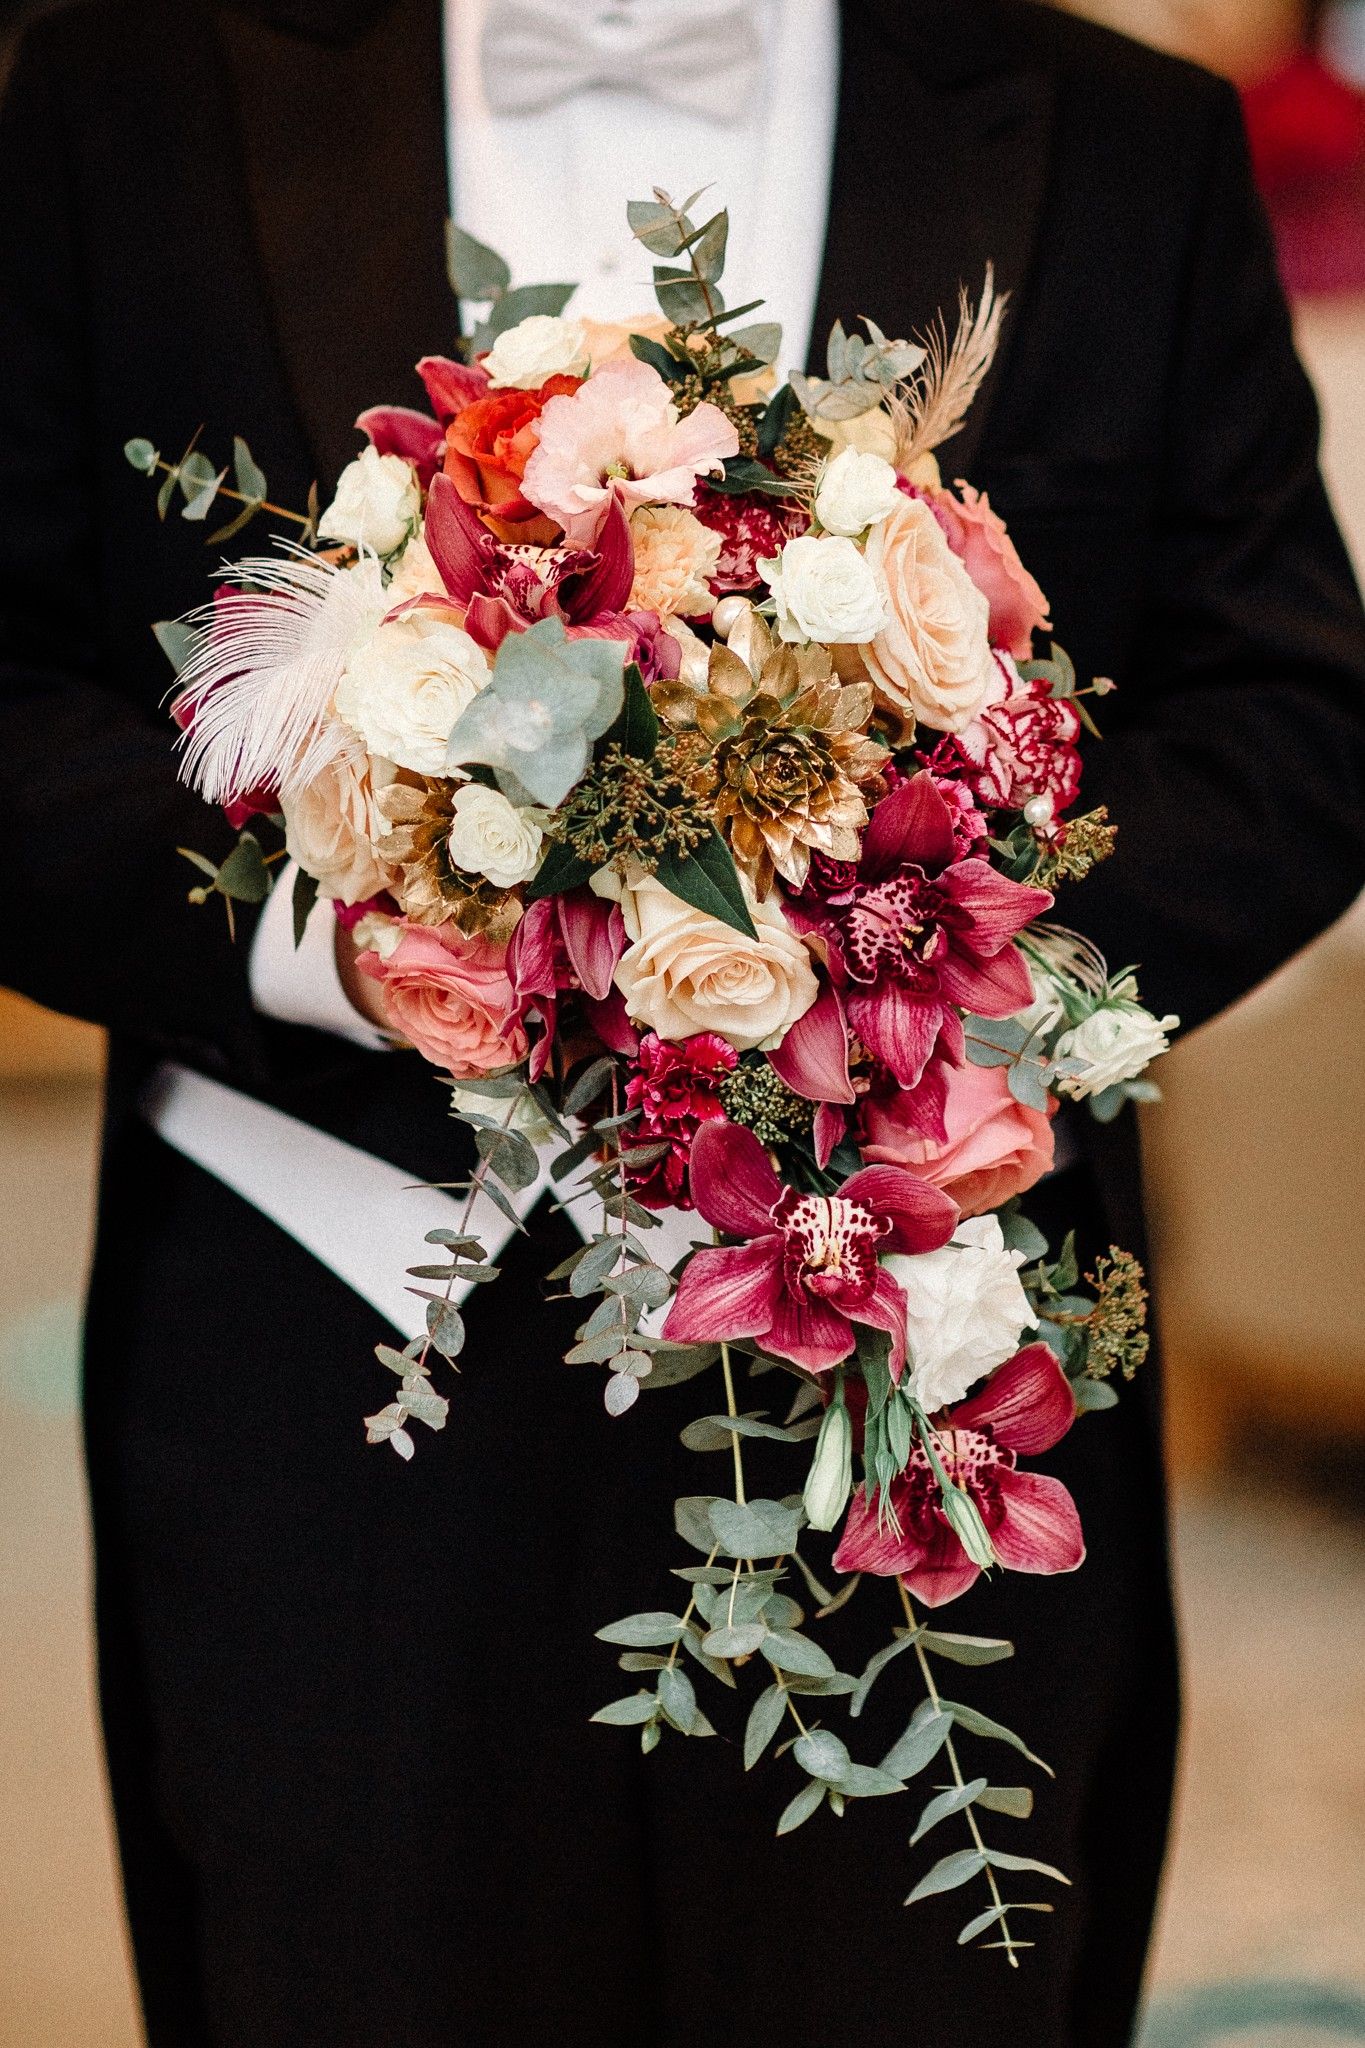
{"x":618,"y":438}
{"x":416,"y":436}
{"x":809,"y":1270}
{"x":1026,"y":1407}
{"x":562,"y":943}
{"x":916,"y":934}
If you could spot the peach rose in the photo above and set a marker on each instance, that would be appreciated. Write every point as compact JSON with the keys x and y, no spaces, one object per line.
{"x":684,"y":972}
{"x":932,"y":661}
{"x":981,"y":539}
{"x":996,"y":1147}
{"x":450,"y":996}
{"x":332,"y":825}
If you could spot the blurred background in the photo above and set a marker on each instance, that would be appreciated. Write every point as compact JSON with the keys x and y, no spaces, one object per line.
{"x":1255,"y":1167}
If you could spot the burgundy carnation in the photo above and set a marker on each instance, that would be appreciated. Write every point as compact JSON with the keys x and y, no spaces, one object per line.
{"x":676,"y":1088}
{"x":751,"y":529}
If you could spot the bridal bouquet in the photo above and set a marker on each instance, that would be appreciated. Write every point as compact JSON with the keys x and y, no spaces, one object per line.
{"x":679,"y":752}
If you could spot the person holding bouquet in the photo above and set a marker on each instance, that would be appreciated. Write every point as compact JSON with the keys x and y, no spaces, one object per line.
{"x":344,"y":1696}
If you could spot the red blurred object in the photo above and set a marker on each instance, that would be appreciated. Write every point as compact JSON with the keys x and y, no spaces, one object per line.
{"x":1307,"y":131}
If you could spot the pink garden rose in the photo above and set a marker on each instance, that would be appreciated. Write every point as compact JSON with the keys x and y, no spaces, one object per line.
{"x":619,"y":437}
{"x":451,"y":997}
{"x":994,"y":1148}
{"x":1026,"y":1407}
{"x":979,"y":537}
{"x":808,"y":1271}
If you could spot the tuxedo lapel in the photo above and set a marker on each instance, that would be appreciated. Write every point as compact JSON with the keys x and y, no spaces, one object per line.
{"x":342,"y":112}
{"x":940,"y":167}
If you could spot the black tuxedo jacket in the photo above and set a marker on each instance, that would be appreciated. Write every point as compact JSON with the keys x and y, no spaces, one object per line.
{"x":230,"y":219}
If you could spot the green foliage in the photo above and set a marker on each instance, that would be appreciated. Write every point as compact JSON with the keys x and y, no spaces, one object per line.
{"x":708,"y":880}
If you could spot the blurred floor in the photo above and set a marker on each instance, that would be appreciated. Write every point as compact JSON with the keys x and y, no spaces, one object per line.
{"x":1266,"y":1899}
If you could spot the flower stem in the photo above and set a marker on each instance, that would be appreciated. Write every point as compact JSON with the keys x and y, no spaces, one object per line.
{"x":926,"y":1672}
{"x":732,"y":1410}
{"x":303,"y":519}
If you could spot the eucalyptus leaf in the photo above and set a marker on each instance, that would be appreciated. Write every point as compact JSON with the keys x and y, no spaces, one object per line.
{"x":920,"y":1744}
{"x":476,"y":271}
{"x":992,"y":1731}
{"x":1014,"y":1800}
{"x":629,"y":1712}
{"x":865,"y":1781}
{"x":808,"y":1800}
{"x":642,"y":1631}
{"x":876,"y":1664}
{"x":739,"y":1641}
{"x":445,"y":1327}
{"x":946,"y":1803}
{"x":999,"y":1860}
{"x":788,"y":1651}
{"x":176,"y":640}
{"x":621,"y":1393}
{"x":822,"y":1754}
{"x":678,"y":1697}
{"x":765,"y":1718}
{"x":692,"y":1520}
{"x":142,"y":455}
{"x":966,"y":1649}
{"x":948,"y":1873}
{"x":763,"y":1528}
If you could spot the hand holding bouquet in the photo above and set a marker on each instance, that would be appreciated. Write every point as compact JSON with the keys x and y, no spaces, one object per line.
{"x":679,"y":753}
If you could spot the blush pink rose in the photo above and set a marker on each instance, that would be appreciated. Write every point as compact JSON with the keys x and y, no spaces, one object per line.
{"x":981,"y":539}
{"x":451,"y":997}
{"x":994,"y":1147}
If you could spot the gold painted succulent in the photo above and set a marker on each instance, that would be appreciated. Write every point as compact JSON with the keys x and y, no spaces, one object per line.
{"x":793,"y":767}
{"x":429,"y":890}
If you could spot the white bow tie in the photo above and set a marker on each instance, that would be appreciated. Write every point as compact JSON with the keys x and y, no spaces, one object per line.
{"x":704,"y":56}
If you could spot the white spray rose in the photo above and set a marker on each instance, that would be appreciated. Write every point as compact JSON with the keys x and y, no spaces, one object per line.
{"x":1114,"y":1043}
{"x":537,"y":348}
{"x":490,"y":836}
{"x":377,"y":503}
{"x":825,"y":589}
{"x":965,"y":1310}
{"x":333,"y":824}
{"x":527,"y":1116}
{"x":406,"y":684}
{"x":855,"y":491}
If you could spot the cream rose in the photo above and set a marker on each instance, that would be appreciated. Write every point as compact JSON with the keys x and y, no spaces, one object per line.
{"x":1115,"y":1043}
{"x":377,"y":503}
{"x":414,"y":574}
{"x":675,"y":556}
{"x":871,"y":433}
{"x":404,"y":687}
{"x":826,"y":589}
{"x":332,"y":824}
{"x":537,"y":348}
{"x":932,"y":658}
{"x":684,"y":972}
{"x":490,"y":836}
{"x":855,"y":491}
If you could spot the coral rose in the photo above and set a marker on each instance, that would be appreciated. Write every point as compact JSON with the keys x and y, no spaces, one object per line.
{"x":451,"y":997}
{"x":488,"y":445}
{"x":980,"y":538}
{"x":994,"y":1147}
{"x":932,"y":660}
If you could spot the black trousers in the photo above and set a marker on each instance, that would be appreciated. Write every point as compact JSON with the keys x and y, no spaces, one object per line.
{"x":346,"y":1699}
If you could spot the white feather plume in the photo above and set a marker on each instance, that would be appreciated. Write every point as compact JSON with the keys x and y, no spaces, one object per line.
{"x":935,"y":405}
{"x":256,"y":695}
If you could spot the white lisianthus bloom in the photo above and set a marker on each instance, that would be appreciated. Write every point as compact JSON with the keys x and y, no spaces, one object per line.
{"x":377,"y":503}
{"x":855,"y":491}
{"x":537,"y":348}
{"x":405,"y":686}
{"x":527,"y":1116}
{"x":825,"y":589}
{"x":490,"y":835}
{"x":376,"y":933}
{"x":1114,"y":1044}
{"x":414,"y":573}
{"x":965,"y":1311}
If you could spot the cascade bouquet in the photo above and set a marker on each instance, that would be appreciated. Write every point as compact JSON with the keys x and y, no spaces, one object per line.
{"x":681,"y":754}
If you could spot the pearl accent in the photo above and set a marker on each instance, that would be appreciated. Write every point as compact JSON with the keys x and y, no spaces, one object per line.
{"x":728,"y":614}
{"x":1038,"y":810}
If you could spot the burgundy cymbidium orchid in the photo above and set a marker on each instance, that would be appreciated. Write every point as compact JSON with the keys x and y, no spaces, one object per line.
{"x":914,"y":935}
{"x":1024,"y":1408}
{"x":503,"y":587}
{"x":809,"y":1270}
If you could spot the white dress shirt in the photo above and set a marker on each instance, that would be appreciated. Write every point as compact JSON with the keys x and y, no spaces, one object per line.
{"x":548,"y":190}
